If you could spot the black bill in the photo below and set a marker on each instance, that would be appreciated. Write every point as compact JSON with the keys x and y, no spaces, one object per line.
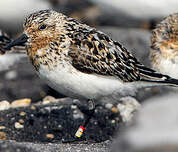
{"x":18,"y":42}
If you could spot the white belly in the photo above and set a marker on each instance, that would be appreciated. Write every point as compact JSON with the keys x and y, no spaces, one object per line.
{"x":168,"y":67}
{"x":73,"y":83}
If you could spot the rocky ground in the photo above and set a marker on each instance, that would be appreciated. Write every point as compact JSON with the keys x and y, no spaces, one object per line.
{"x":35,"y":118}
{"x":48,"y":123}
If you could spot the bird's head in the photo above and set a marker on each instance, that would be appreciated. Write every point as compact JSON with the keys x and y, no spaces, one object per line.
{"x":165,"y":36}
{"x":40,"y":28}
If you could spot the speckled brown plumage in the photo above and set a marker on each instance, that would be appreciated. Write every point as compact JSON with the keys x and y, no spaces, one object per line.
{"x":94,"y":52}
{"x":164,"y":45}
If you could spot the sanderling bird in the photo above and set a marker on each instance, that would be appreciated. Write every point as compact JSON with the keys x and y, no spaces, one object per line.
{"x":164,"y":46}
{"x":81,"y":62}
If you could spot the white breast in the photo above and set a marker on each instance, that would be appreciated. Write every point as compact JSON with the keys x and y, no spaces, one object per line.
{"x":169,"y":67}
{"x":73,"y":83}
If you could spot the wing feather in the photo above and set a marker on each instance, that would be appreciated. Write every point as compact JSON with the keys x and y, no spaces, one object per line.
{"x":99,"y":54}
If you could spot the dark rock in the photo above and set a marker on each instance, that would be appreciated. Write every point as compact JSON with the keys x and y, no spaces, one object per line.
{"x":51,"y":123}
{"x":42,"y":127}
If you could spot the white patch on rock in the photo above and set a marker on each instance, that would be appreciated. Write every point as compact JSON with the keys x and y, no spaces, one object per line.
{"x":4,"y":105}
{"x":77,"y":114}
{"x":127,"y":107}
{"x":21,"y":103}
{"x":18,"y":125}
{"x":49,"y":99}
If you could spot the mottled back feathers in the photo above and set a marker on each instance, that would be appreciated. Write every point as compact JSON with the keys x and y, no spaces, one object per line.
{"x":94,"y":52}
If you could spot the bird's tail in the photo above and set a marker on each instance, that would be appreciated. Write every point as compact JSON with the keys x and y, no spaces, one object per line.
{"x":149,"y":75}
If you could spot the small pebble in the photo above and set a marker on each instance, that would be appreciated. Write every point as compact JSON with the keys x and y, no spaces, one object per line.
{"x":95,"y":123}
{"x":108,"y":105}
{"x":49,"y":99}
{"x":12,"y":119}
{"x":22,"y":113}
{"x":31,"y":115}
{"x":114,"y":110}
{"x":76,"y":101}
{"x":18,"y":125}
{"x":113,"y":121}
{"x":4,"y":105}
{"x":106,"y":117}
{"x":21,"y":103}
{"x":1,"y":119}
{"x":75,"y":111}
{"x":33,"y":107}
{"x":77,"y":114}
{"x":21,"y":121}
{"x":127,"y":107}
{"x":117,"y":119}
{"x":2,"y":127}
{"x":73,"y":106}
{"x":59,"y":127}
{"x":51,"y":136}
{"x":3,"y":136}
{"x":42,"y":94}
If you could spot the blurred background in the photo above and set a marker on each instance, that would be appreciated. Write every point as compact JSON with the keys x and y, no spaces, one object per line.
{"x":129,"y":22}
{"x":117,"y":13}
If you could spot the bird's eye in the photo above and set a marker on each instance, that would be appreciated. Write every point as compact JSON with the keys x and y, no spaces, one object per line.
{"x":42,"y":27}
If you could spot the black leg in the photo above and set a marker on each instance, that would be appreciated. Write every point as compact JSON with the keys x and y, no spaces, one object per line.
{"x":89,"y":113}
